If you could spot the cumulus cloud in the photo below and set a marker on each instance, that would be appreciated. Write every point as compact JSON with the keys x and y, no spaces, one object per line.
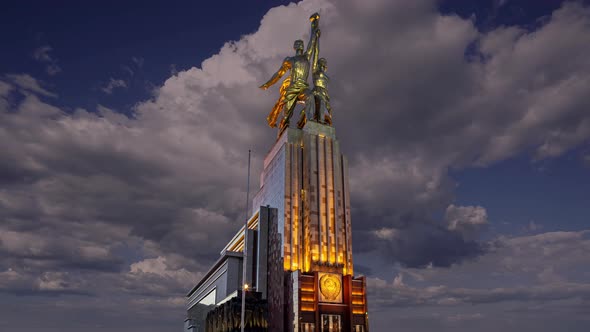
{"x":468,"y":220}
{"x":202,"y":120}
{"x":156,"y":195}
{"x":159,"y":277}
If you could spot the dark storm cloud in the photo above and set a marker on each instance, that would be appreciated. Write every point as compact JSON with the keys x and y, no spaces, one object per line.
{"x":419,"y":244}
{"x":57,"y":251}
{"x":530,"y":267}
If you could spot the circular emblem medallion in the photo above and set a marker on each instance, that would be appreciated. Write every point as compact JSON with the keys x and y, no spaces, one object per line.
{"x":330,"y":287}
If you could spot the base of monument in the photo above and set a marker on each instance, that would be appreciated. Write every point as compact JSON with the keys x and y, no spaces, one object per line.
{"x":226,"y":317}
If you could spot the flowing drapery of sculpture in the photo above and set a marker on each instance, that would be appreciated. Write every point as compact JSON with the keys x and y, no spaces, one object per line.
{"x":295,"y":87}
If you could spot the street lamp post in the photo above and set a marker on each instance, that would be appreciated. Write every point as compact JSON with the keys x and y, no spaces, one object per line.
{"x":242,"y":320}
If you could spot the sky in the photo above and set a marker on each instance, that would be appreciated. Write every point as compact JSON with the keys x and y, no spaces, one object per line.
{"x":125,"y":130}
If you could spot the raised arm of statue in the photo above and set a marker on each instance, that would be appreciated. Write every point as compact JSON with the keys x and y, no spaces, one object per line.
{"x":315,"y":34}
{"x":316,"y":54}
{"x":284,"y":68}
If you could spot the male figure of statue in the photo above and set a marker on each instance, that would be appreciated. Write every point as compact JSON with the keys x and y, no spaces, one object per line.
{"x":295,"y":87}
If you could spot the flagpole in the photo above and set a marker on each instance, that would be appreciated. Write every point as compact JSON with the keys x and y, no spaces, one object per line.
{"x":245,"y":254}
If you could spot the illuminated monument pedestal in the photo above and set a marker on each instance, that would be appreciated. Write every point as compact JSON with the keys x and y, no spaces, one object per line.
{"x":305,"y":178}
{"x":298,"y":245}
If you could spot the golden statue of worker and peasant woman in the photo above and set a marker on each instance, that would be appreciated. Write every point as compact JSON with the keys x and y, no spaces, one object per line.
{"x":295,"y":88}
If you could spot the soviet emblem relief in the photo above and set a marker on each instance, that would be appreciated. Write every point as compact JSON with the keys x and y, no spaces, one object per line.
{"x":330,"y":287}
